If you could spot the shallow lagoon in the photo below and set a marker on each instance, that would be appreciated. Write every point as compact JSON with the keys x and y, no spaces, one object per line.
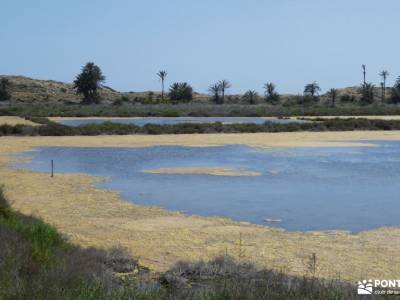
{"x":353,"y":188}
{"x":177,"y":120}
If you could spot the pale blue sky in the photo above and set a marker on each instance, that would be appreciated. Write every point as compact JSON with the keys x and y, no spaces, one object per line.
{"x":248,"y":42}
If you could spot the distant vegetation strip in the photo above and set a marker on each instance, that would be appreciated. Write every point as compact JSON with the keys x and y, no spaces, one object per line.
{"x":194,"y":110}
{"x":50,"y":128}
{"x":37,"y":262}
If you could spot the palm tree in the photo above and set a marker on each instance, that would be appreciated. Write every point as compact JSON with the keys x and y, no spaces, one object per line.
{"x":162,"y":75}
{"x":88,"y":82}
{"x":367,"y":93}
{"x":396,"y":91}
{"x":384,"y":74}
{"x":332,"y":93}
{"x":250,"y":96}
{"x":364,"y":67}
{"x":224,"y":85}
{"x":180,"y":92}
{"x":270,"y":93}
{"x":214,"y":90}
{"x":312,"y":90}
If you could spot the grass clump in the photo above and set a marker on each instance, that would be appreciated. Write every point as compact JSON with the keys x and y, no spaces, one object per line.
{"x":225,"y":278}
{"x":43,"y":238}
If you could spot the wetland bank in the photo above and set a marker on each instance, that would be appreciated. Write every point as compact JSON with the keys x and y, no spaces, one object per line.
{"x":93,"y":216}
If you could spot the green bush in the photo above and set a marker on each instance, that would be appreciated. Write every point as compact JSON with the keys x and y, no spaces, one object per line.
{"x":347,"y":98}
{"x":367,"y":93}
{"x":180,"y":92}
{"x":5,"y":89}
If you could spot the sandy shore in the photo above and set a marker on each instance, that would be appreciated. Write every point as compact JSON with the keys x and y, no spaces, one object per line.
{"x":207,"y":171}
{"x":10,"y":120}
{"x":96,"y":217}
{"x":261,"y":140}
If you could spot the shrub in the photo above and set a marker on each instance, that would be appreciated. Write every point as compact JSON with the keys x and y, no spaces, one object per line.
{"x":250,"y":97}
{"x":180,"y":92}
{"x":121,"y":100}
{"x":395,"y":93}
{"x":367,"y":93}
{"x":311,"y":91}
{"x":224,"y":278}
{"x":5,"y":210}
{"x":5,"y":89}
{"x":347,"y":98}
{"x":271,"y":96}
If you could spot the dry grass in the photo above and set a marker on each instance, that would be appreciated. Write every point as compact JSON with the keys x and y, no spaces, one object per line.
{"x":96,"y":217}
{"x":12,"y":121}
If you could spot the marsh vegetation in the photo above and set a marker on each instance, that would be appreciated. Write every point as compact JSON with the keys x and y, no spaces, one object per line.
{"x":50,"y":128}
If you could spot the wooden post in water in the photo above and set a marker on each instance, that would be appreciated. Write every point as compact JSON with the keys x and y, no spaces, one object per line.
{"x":52,"y":168}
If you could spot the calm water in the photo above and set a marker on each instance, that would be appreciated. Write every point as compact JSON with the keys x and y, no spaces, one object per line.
{"x":180,"y":120}
{"x":308,"y":189}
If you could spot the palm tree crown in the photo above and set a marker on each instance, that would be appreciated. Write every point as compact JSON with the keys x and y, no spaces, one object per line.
{"x":162,"y":74}
{"x":312,"y":89}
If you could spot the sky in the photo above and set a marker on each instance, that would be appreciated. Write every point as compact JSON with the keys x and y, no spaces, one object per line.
{"x":248,"y":42}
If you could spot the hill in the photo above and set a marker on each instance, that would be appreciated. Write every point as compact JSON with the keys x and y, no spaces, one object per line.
{"x":25,"y":89}
{"x":29,"y":90}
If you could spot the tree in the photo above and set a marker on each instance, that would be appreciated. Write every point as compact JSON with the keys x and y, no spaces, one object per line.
{"x":180,"y":92}
{"x":88,"y":81}
{"x":224,"y":85}
{"x":271,"y":95}
{"x":395,"y":97}
{"x":364,"y":67}
{"x":162,"y":75}
{"x":5,"y":89}
{"x":312,"y":90}
{"x":384,"y":74}
{"x":250,"y":96}
{"x":215,"y":91}
{"x":332,"y":94}
{"x":367,"y":93}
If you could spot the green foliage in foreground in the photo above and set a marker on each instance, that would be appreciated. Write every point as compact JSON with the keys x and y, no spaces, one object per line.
{"x":37,"y":263}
